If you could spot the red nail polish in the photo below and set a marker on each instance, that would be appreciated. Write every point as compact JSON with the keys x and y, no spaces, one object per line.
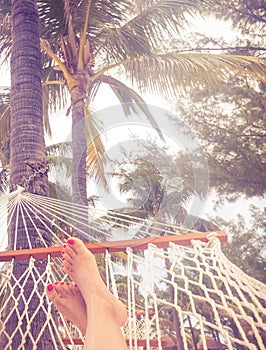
{"x":68,"y":283}
{"x":70,"y":241}
{"x":75,"y":285}
{"x":64,"y":245}
{"x":62,"y":266}
{"x":56,"y":282}
{"x":62,"y":252}
{"x":63,"y":259}
{"x":50,"y":287}
{"x":62,"y":283}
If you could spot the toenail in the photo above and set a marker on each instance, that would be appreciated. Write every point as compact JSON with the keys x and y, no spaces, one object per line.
{"x":75,"y":285}
{"x":62,"y":283}
{"x":64,"y":245}
{"x":50,"y":287}
{"x":56,"y":282}
{"x":62,"y":252}
{"x":63,"y":259}
{"x":68,"y":283}
{"x":70,"y":241}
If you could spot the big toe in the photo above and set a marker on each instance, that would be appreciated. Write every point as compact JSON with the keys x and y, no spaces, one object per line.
{"x":76,"y":245}
{"x":52,"y":293}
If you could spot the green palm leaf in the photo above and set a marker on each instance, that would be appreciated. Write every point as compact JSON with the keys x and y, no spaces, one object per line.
{"x":173,"y":73}
{"x":130,"y":100}
{"x":96,"y":156}
{"x":149,"y":25}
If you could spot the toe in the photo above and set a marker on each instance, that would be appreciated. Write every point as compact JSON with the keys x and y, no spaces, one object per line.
{"x":67,"y":267}
{"x":72,"y":289}
{"x":69,"y":252}
{"x":62,"y":289}
{"x":75,"y":245}
{"x":51,"y":292}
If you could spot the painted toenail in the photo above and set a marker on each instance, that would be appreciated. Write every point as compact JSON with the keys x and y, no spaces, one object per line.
{"x":56,"y":282}
{"x":68,"y":283}
{"x":62,"y":252}
{"x":62,"y":283}
{"x":63,"y":259}
{"x":70,"y":241}
{"x":50,"y":287}
{"x":64,"y":245}
{"x":75,"y":285}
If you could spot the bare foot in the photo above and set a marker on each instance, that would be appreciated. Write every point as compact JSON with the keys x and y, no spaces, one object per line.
{"x":80,"y":264}
{"x":69,"y":302}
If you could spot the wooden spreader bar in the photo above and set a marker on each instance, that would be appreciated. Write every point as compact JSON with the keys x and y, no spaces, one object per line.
{"x":115,"y":246}
{"x":140,"y":342}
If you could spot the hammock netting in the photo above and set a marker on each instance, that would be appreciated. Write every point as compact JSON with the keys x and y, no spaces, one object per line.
{"x":179,"y":296}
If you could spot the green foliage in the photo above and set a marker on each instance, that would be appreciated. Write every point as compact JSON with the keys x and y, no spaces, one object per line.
{"x":144,"y":181}
{"x":229,"y":123}
{"x":247,"y":16}
{"x":246,"y":247}
{"x":4,"y":126}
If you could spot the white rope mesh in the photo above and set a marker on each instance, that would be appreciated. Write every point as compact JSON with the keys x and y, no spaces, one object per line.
{"x":180,"y":296}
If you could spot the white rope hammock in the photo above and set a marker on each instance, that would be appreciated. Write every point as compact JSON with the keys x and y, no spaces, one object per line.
{"x":193,"y":293}
{"x":62,"y":217}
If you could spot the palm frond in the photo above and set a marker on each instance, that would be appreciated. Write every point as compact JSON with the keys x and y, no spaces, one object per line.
{"x":59,"y":162}
{"x":107,"y":13}
{"x":59,"y":156}
{"x":4,"y":174}
{"x":102,"y":13}
{"x":62,"y":148}
{"x":5,"y":29}
{"x":70,"y":27}
{"x":148,"y":27}
{"x":96,"y":156}
{"x":45,"y":110}
{"x":51,"y":14}
{"x":130,"y":100}
{"x":173,"y":73}
{"x":4,"y":122}
{"x":83,"y":38}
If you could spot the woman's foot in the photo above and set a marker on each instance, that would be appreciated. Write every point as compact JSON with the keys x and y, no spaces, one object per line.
{"x":69,"y":302}
{"x":80,"y":264}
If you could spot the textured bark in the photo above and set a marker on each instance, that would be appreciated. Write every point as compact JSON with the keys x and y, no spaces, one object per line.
{"x":27,"y":146}
{"x":79,"y":145}
{"x":79,"y":151}
{"x":27,"y":166}
{"x":27,"y":137}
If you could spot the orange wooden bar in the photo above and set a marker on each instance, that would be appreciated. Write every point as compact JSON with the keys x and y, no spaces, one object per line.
{"x":115,"y":246}
{"x":140,"y":342}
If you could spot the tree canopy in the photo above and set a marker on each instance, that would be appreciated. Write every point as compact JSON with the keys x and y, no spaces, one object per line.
{"x":246,"y":246}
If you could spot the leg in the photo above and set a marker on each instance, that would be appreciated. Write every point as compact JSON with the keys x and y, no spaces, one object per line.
{"x":105,"y":314}
{"x":69,"y":302}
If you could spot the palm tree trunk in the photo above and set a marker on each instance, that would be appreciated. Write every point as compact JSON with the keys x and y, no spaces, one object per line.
{"x":27,"y":169}
{"x":79,"y":151}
